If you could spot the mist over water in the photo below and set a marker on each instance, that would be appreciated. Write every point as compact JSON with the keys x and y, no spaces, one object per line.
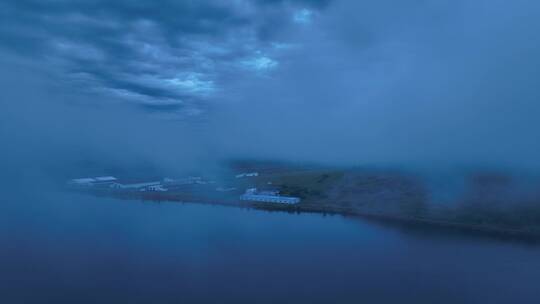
{"x":84,"y":249}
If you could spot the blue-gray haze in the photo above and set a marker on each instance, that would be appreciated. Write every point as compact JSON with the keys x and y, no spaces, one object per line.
{"x":431,"y":86}
{"x":178,"y":83}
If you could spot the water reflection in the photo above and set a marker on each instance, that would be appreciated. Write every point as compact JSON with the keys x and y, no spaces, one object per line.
{"x":69,"y":248}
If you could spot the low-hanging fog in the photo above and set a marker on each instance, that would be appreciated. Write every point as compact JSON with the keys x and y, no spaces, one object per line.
{"x":420,"y":117}
{"x":181,"y":85}
{"x":423,"y":83}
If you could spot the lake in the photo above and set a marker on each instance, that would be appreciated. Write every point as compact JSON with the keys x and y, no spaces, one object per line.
{"x":70,"y":248}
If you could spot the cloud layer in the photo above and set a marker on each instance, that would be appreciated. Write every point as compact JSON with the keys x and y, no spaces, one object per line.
{"x":422,"y":83}
{"x":410,"y":84}
{"x":170,"y":54}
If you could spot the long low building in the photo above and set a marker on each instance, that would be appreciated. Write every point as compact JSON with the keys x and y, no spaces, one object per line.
{"x":254,"y":196}
{"x":92,"y":181}
{"x":247,"y":174}
{"x":135,"y":185}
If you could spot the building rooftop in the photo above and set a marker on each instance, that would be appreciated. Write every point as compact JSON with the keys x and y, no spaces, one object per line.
{"x":252,"y":194}
{"x":105,"y":178}
{"x":83,"y":180}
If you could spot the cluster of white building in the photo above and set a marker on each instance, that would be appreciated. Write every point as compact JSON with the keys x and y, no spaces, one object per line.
{"x":113,"y":183}
{"x":252,"y":194}
{"x":268,"y":197}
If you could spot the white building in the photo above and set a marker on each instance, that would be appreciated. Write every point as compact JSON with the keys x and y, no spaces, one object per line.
{"x":86,"y":182}
{"x":184,"y":181}
{"x":134,"y":186}
{"x":269,"y":192}
{"x":92,"y":181}
{"x":250,"y":174}
{"x":268,"y":197}
{"x":104,"y":180}
{"x":223,"y":189}
{"x":154,"y":188}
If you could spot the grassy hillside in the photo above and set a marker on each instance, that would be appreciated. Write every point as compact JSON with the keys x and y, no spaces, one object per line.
{"x":489,"y":200}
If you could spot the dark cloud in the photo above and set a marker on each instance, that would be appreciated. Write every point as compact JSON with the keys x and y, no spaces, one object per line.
{"x":146,"y":51}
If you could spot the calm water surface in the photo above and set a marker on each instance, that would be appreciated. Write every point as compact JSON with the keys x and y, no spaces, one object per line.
{"x":68,"y":248}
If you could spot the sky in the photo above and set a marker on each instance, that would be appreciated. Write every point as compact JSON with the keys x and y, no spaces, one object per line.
{"x":181,"y":84}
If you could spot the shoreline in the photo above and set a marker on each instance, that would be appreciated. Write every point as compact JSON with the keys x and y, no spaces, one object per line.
{"x":307,"y":207}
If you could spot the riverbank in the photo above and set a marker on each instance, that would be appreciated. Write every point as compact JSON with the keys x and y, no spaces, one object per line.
{"x":406,"y":222}
{"x":487,"y":202}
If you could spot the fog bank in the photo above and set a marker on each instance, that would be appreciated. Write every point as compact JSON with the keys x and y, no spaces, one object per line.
{"x":421,"y":86}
